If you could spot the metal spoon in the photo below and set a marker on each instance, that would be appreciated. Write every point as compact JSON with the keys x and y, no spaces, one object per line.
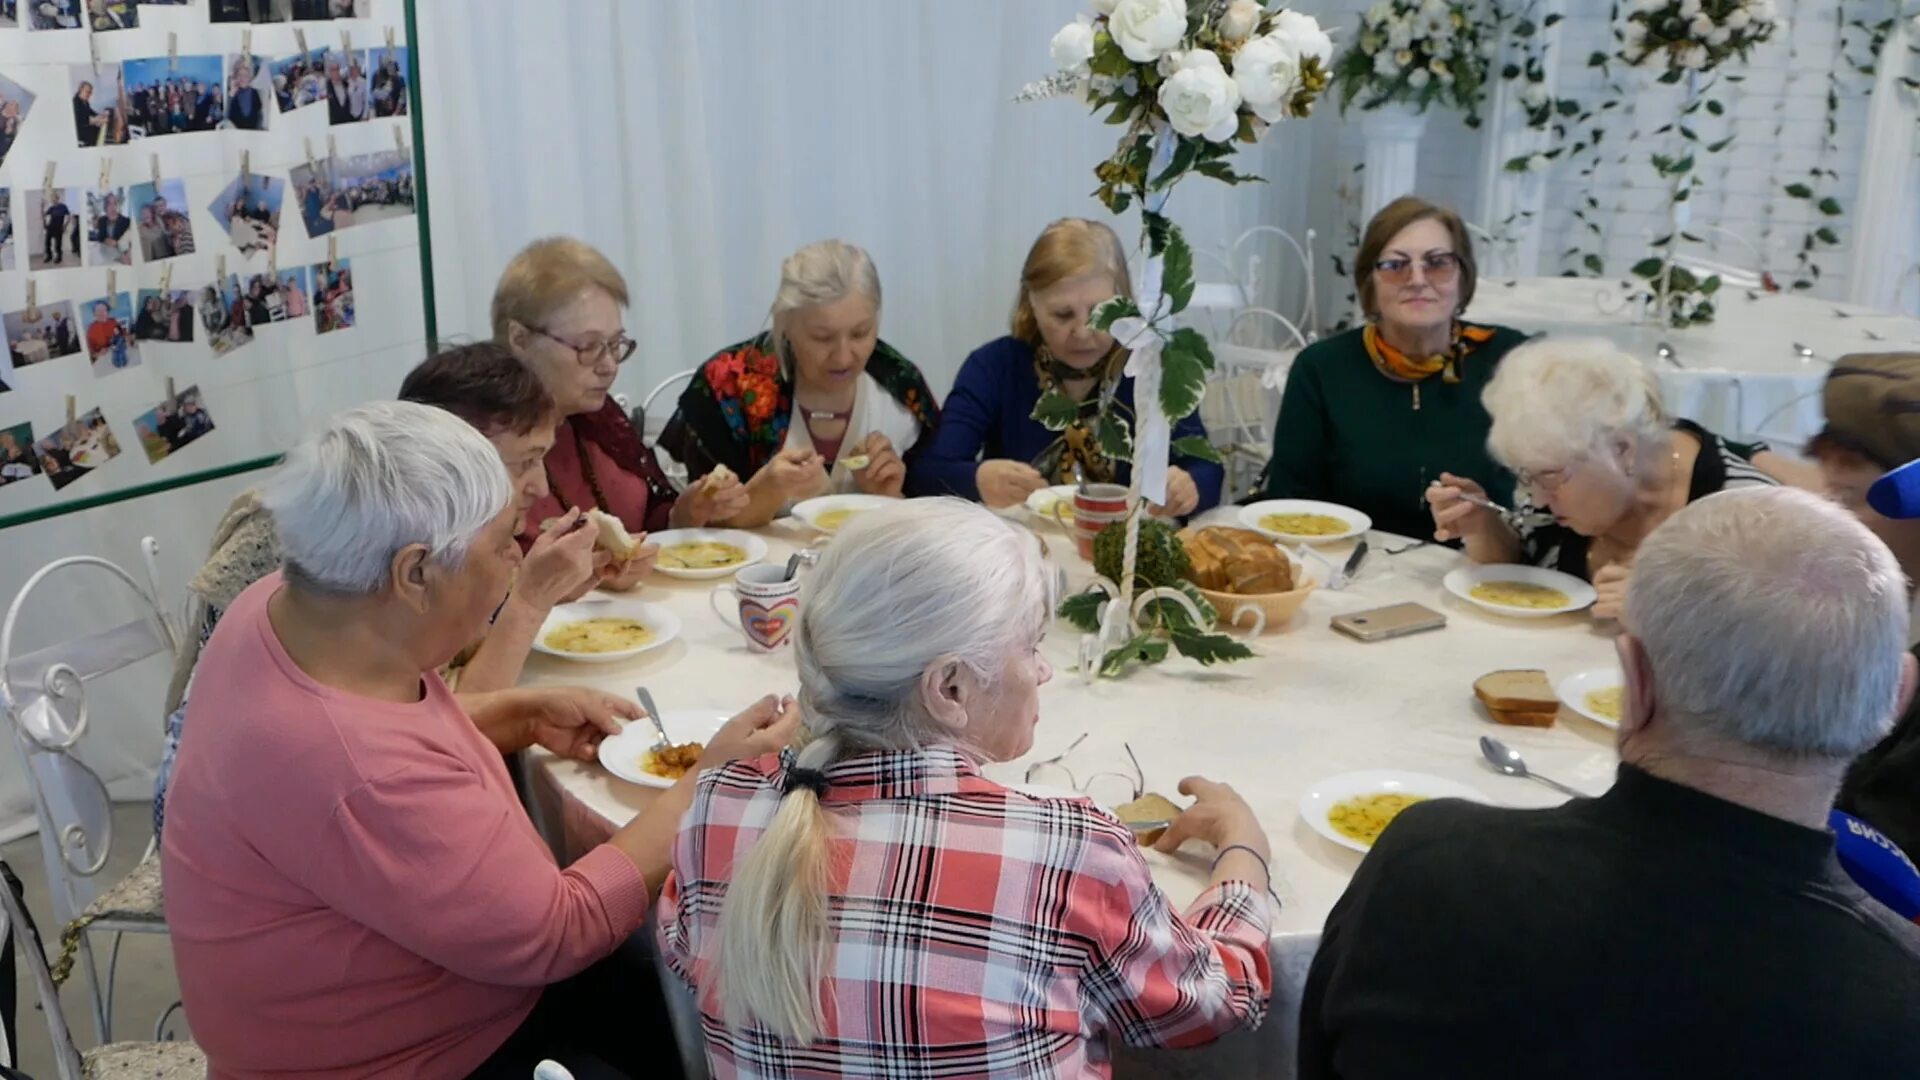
{"x":1665,"y":352}
{"x":1805,"y":354}
{"x":804,"y":555}
{"x":1507,"y":761}
{"x":661,"y":741}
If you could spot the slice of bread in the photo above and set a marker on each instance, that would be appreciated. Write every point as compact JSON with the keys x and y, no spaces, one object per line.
{"x":614,"y":538}
{"x":1517,"y":691}
{"x":713,"y":480}
{"x":1523,"y":718}
{"x":1150,"y":809}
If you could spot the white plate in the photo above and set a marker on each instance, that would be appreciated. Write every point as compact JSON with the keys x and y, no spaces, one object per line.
{"x":1460,"y":582}
{"x":1322,"y":797}
{"x":755,"y":548}
{"x":811,"y":510}
{"x":1357,"y":522}
{"x":1041,"y":503}
{"x":664,"y":624}
{"x":622,"y":754}
{"x":1573,"y":691}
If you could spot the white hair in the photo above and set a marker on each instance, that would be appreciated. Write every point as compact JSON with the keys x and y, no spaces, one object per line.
{"x":375,"y":479}
{"x":938,"y":583}
{"x":1771,"y":618}
{"x":820,"y":273}
{"x":1554,"y":401}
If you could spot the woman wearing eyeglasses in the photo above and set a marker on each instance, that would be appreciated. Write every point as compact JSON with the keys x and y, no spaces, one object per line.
{"x":557,"y":307}
{"x":1371,"y":417}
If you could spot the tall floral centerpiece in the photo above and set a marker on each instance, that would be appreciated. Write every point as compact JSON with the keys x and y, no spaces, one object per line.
{"x":1686,"y":40}
{"x":1188,"y":82}
{"x":1410,"y":56}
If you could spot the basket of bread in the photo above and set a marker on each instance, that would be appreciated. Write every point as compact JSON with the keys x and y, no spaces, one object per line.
{"x":1240,"y":569}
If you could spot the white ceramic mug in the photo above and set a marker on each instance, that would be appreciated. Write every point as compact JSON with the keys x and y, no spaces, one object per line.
{"x":765,"y":605}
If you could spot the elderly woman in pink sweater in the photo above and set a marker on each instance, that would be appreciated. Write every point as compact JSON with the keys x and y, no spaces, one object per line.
{"x":352,"y":887}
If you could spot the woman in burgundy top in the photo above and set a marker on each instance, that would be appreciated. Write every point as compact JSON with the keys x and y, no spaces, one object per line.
{"x":558,"y":307}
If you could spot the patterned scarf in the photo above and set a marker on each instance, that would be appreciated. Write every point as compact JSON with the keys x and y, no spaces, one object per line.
{"x":611,"y":431}
{"x":1080,"y":442}
{"x":1391,"y":361}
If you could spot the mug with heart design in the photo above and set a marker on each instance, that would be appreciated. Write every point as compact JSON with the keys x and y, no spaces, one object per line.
{"x":765,"y":602}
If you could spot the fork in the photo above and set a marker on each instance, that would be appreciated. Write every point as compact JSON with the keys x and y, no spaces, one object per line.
{"x":661,"y":742}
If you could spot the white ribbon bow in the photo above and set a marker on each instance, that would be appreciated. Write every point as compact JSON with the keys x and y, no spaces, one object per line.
{"x":1153,"y":439}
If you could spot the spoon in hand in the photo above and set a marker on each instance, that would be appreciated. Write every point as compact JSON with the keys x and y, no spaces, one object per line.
{"x":1507,"y":761}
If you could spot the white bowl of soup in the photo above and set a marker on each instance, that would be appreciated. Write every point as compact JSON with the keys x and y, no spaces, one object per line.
{"x":605,"y":631}
{"x":1519,"y":592}
{"x":699,"y":554}
{"x":1305,"y":521}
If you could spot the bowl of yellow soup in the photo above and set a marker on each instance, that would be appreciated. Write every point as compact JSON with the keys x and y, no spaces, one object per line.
{"x":605,"y":631}
{"x":830,"y":513}
{"x":1305,"y":521}
{"x":1519,"y":592}
{"x":1353,"y":809}
{"x":700,"y":554}
{"x":1596,"y":695}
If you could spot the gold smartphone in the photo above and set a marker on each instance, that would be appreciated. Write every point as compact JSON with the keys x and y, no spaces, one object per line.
{"x":1397,"y":620}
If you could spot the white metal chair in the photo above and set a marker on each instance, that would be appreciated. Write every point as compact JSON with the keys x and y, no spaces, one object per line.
{"x":1307,"y":321}
{"x":115,"y":1061}
{"x":44,"y":695}
{"x":1244,"y":397}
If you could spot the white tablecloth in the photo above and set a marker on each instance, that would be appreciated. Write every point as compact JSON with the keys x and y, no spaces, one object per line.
{"x":1740,"y":375}
{"x":1312,"y":704}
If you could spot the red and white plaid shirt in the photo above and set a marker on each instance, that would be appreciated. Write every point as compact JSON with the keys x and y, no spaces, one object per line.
{"x":975,"y":930}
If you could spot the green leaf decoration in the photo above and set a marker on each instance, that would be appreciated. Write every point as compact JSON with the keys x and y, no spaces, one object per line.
{"x":1112,"y":312}
{"x":1176,"y":277}
{"x":1567,"y":107}
{"x":1207,"y":610}
{"x":1082,"y":610}
{"x":1716,"y":108}
{"x":1518,"y":165}
{"x":1184,"y":153}
{"x":1710,"y":286}
{"x":1208,"y":649}
{"x":1167,"y":614}
{"x":1593,"y":264}
{"x":1144,"y":648}
{"x":1598,"y":59}
{"x":1121,"y":113}
{"x":1189,"y":340}
{"x":1826,"y":235}
{"x":1115,"y":437}
{"x":1184,"y":365}
{"x":1716,"y":147}
{"x":1158,"y":229}
{"x":1648,"y":268}
{"x":1107,"y":58}
{"x":1800,"y":191}
{"x":1055,"y":410}
{"x":1830,"y":206}
{"x":1194,"y":446}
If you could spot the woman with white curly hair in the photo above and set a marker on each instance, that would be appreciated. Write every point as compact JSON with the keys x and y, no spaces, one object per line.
{"x":1600,"y":465}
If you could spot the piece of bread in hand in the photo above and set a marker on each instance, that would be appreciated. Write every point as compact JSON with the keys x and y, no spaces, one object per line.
{"x":1522,"y":698}
{"x":1154,"y":810}
{"x":613,"y":537}
{"x":714,"y":480}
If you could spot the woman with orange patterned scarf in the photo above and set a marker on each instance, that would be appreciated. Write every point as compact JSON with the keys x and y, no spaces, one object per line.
{"x":1374,"y":416}
{"x":818,"y":404}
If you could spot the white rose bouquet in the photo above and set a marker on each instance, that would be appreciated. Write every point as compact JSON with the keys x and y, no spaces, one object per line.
{"x":1418,"y":53}
{"x":1694,"y":35}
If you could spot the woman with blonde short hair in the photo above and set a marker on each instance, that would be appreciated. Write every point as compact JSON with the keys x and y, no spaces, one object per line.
{"x":1600,"y":465}
{"x":558,"y":308}
{"x":875,"y":906}
{"x":818,"y":403}
{"x":990,"y":448}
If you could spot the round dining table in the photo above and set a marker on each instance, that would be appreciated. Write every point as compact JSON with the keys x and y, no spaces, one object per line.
{"x":1310,"y":705}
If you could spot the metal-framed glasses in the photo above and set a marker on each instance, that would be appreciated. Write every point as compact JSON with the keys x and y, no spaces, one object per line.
{"x":1106,"y":788}
{"x":1439,"y":268}
{"x":1546,"y":481}
{"x":619,"y":347}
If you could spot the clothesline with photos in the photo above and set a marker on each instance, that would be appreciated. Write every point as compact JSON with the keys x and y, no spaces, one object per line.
{"x":188,"y":276}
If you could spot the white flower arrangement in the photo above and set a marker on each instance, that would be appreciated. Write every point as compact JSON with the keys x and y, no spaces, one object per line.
{"x":1418,"y":53}
{"x":1684,"y":36}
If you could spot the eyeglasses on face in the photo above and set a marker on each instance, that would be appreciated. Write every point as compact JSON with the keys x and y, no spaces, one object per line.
{"x":619,"y":347}
{"x":1439,"y":268}
{"x":1546,"y":481}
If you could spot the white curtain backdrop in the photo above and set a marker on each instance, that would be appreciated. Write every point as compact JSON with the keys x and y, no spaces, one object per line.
{"x":1886,"y":242}
{"x":698,"y":144}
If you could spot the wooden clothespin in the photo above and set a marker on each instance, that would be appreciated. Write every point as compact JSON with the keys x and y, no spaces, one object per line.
{"x":273,"y":259}
{"x":246,"y":170}
{"x":219,"y":270}
{"x":173,"y":51}
{"x":172,"y":394}
{"x":93,"y":47}
{"x":46,"y":186}
{"x":73,"y":410}
{"x":300,"y":39}
{"x":400,"y":139}
{"x":346,"y":43}
{"x":333,"y":148}
{"x":390,"y":38}
{"x":333,"y":250}
{"x":106,"y":174}
{"x":166,"y":279}
{"x":33,"y":301}
{"x":154,"y":161}
{"x":112,"y":280}
{"x":246,"y":47}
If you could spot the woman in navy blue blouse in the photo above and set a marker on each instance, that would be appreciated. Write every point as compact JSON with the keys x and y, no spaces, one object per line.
{"x":988,"y":446}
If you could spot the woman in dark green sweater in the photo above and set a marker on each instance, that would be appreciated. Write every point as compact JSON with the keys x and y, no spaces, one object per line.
{"x":1373,"y":416}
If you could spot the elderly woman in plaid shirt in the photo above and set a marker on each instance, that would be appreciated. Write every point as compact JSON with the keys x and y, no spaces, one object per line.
{"x":874,"y":906}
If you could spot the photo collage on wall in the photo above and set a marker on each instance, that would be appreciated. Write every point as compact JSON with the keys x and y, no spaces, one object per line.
{"x":139,"y":321}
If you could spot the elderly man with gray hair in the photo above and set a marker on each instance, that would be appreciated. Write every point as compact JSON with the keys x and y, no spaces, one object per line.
{"x":1692,"y":921}
{"x":352,"y":886}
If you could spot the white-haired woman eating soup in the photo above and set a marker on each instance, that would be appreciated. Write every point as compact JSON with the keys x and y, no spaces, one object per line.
{"x":1599,"y":462}
{"x":873,"y":905}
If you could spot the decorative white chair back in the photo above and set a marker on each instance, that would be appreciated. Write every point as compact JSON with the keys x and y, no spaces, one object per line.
{"x":32,"y":952}
{"x":679,"y":379}
{"x":1253,"y":280}
{"x":44,"y":694}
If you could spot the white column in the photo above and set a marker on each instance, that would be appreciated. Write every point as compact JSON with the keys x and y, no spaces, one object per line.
{"x":1513,"y":206}
{"x":1393,"y":155}
{"x":1886,"y":216}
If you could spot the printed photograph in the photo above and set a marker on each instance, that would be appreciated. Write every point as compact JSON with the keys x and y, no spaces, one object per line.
{"x":299,"y":80}
{"x":249,"y":211}
{"x":53,"y":229}
{"x":333,"y":296}
{"x":389,"y":80}
{"x":162,"y":220}
{"x":348,"y":86}
{"x":229,"y":11}
{"x":172,"y":424}
{"x":105,"y":15}
{"x":37,"y":335}
{"x":54,"y":14}
{"x":271,"y":11}
{"x":109,"y":334}
{"x":277,"y":297}
{"x":17,"y":460}
{"x":246,"y":105}
{"x":169,"y":97}
{"x":15,"y":103}
{"x":77,"y":449}
{"x":6,"y":231}
{"x":351,"y":9}
{"x":9,"y":14}
{"x":99,"y":105}
{"x":164,"y":316}
{"x":223,"y":315}
{"x":109,"y":228}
